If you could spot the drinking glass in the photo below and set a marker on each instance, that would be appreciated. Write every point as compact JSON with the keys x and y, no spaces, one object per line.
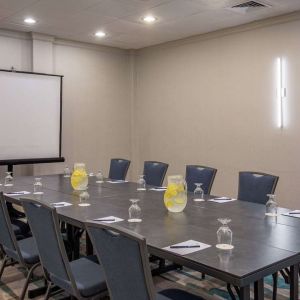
{"x":100,"y":177}
{"x":83,"y":199}
{"x":8,"y":180}
{"x":141,"y":183}
{"x":271,"y":206}
{"x":198,"y":192}
{"x":135,"y":212}
{"x":67,"y":172}
{"x":38,"y":186}
{"x":224,"y":235}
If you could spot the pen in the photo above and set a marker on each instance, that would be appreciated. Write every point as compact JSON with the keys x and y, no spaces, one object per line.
{"x":15,"y":193}
{"x":191,"y":246}
{"x":294,"y":213}
{"x":105,"y":220}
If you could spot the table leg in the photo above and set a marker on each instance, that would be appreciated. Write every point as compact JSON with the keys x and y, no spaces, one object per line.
{"x":245,"y":292}
{"x":294,"y":273}
{"x":89,"y":246}
{"x":74,"y":239}
{"x":259,"y":290}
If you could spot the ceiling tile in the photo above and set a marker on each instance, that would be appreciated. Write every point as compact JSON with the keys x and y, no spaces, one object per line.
{"x":121,"y":19}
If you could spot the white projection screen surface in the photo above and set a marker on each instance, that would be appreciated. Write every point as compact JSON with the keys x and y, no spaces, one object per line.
{"x":30,"y":122}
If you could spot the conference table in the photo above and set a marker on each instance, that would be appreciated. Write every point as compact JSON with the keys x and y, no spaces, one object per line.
{"x":262,"y":245}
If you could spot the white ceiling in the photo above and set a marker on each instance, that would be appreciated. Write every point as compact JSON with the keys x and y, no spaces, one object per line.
{"x":121,"y":19}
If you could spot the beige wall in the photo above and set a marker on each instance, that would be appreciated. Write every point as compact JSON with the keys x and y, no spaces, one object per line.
{"x":207,"y":100}
{"x":213,"y":102}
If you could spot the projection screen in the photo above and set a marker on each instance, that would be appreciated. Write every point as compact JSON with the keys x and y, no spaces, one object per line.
{"x":31,"y":117}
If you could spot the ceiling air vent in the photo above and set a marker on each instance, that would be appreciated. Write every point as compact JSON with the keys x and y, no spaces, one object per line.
{"x":248,"y":6}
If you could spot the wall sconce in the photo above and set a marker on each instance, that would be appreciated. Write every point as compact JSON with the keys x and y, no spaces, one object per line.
{"x":281,"y":91}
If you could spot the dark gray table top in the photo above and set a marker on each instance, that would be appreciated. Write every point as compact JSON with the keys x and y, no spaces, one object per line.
{"x":262,"y":245}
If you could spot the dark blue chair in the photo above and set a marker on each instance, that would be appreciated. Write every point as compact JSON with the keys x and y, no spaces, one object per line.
{"x":118,"y":168}
{"x":81,"y":278}
{"x":200,"y":174}
{"x":23,"y":251}
{"x":254,"y":186}
{"x":137,"y":283}
{"x":154,"y":172}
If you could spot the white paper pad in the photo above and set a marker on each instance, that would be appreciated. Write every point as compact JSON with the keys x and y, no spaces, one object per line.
{"x":293,"y":215}
{"x":61,"y":204}
{"x":158,"y":189}
{"x":13,"y":194}
{"x":108,"y":218}
{"x":184,"y":251}
{"x":222,"y":200}
{"x":117,"y":181}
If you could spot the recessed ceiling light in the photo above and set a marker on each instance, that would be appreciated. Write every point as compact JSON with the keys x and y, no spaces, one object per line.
{"x":149,"y":19}
{"x":100,"y":34}
{"x":30,"y":21}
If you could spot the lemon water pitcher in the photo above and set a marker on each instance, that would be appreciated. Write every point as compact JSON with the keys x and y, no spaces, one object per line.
{"x":79,"y":178}
{"x":175,"y":197}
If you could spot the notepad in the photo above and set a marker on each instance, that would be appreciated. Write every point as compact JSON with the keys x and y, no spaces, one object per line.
{"x":185,"y":251}
{"x":117,"y":181}
{"x":158,"y":189}
{"x":21,"y":193}
{"x":222,"y":200}
{"x":290,"y":213}
{"x":110,"y":219}
{"x":61,"y":204}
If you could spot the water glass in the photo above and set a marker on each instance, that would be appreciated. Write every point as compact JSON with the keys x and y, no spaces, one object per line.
{"x":8,"y":180}
{"x":67,"y":172}
{"x":141,"y":183}
{"x":198,"y":193}
{"x":135,"y":212}
{"x":271,"y":206}
{"x":38,"y":186}
{"x":224,"y":235}
{"x":84,"y":198}
{"x":100,"y":177}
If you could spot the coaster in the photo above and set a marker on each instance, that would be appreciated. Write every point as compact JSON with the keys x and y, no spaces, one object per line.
{"x":198,"y":200}
{"x":271,"y":215}
{"x":224,"y":246}
{"x":134,"y":220}
{"x":84,"y":204}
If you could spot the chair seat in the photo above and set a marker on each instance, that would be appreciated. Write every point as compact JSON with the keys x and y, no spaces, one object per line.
{"x":20,"y":228}
{"x":176,"y":294}
{"x":29,"y":251}
{"x":89,"y":277}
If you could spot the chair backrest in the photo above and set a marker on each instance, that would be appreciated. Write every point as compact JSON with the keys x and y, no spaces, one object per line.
{"x":154,"y":172}
{"x":7,"y":236}
{"x":254,"y":186}
{"x":200,"y":174}
{"x":123,"y":256}
{"x":118,"y":168}
{"x":44,"y":224}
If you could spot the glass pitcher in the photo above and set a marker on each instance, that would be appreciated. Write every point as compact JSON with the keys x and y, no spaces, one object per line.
{"x":79,"y":178}
{"x":175,"y":197}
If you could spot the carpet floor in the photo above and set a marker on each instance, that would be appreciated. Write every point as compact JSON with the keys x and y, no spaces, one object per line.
{"x":209,"y":288}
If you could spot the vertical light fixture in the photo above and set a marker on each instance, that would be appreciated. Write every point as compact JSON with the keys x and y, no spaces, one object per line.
{"x":281,"y":92}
